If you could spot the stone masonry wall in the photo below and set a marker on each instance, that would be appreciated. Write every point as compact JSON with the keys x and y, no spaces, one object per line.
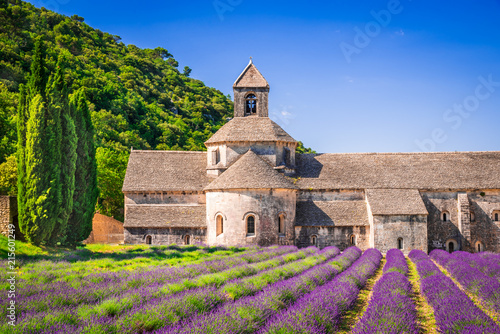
{"x":265,"y":205}
{"x":164,"y":198}
{"x":483,"y":228}
{"x":411,"y":228}
{"x":8,"y":215}
{"x":332,"y":236}
{"x":164,"y":236}
{"x":439,"y":231}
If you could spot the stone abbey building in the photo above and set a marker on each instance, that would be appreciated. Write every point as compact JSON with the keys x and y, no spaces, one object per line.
{"x":251,"y":187}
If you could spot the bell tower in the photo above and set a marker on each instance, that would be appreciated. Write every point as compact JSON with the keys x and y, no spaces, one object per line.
{"x":251,"y":93}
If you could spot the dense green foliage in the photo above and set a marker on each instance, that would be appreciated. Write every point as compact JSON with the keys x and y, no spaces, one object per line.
{"x":85,"y":172}
{"x":57,"y":192}
{"x":136,"y":97}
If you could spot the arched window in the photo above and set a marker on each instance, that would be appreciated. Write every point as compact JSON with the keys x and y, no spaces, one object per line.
{"x":445,"y":216}
{"x":250,"y":104}
{"x":187,"y":239}
{"x":215,"y":156}
{"x":286,"y":156}
{"x":451,"y":247}
{"x":400,"y":243}
{"x":149,"y":240}
{"x":472,"y":217}
{"x":250,"y":225}
{"x":219,"y":225}
{"x":281,"y":224}
{"x":314,"y":240}
{"x":479,"y":247}
{"x":496,"y":216}
{"x":352,"y":239}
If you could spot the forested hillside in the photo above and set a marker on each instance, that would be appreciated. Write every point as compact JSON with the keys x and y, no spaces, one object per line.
{"x":138,"y":98}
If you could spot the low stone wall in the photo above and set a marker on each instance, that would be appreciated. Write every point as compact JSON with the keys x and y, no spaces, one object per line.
{"x":105,"y":230}
{"x":164,"y":236}
{"x":8,"y":215}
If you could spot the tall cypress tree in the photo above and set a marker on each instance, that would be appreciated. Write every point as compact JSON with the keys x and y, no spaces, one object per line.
{"x":39,"y":222}
{"x":86,"y":191}
{"x":36,"y":86}
{"x":39,"y":156}
{"x":63,"y":136}
{"x":22,"y":120}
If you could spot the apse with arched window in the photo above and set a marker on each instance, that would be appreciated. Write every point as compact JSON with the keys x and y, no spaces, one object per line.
{"x":220,"y":225}
{"x":250,"y":225}
{"x":281,"y":224}
{"x":250,"y":104}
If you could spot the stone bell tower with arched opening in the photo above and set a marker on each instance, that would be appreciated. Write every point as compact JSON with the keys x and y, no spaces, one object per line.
{"x":251,"y":92}
{"x":251,"y":129}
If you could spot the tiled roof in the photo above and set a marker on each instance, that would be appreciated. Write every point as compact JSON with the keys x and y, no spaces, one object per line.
{"x":331,"y":213}
{"x":426,"y":171}
{"x":166,"y":171}
{"x":251,"y":78}
{"x":250,"y":172}
{"x":250,"y":129}
{"x":395,"y":202}
{"x":164,"y":216}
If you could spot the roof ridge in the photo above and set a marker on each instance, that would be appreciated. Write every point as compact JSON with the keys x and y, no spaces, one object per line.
{"x":399,"y":153}
{"x":166,"y":151}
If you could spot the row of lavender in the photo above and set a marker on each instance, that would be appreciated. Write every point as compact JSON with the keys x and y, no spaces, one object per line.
{"x":148,"y":306}
{"x":321,"y":310}
{"x":391,"y":308}
{"x":453,"y":310}
{"x":465,"y":268}
{"x":101,"y":286}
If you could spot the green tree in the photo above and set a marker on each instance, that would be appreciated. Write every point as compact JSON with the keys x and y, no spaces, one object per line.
{"x":85,"y":174}
{"x":8,"y":176}
{"x":111,"y":165}
{"x":64,"y":139}
{"x":38,"y":219}
{"x":187,"y":71}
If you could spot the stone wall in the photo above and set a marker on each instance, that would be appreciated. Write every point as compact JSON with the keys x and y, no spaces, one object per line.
{"x":164,"y":236}
{"x":483,"y":227}
{"x":265,"y":205}
{"x":441,"y":232}
{"x":332,"y":236}
{"x":262,"y":95}
{"x":8,"y":215}
{"x":165,"y":198}
{"x":412,"y":229}
{"x":105,"y":230}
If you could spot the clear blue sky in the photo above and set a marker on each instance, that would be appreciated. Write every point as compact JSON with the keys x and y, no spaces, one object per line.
{"x":424,"y":75}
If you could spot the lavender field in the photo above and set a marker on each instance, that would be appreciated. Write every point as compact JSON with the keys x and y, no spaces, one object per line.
{"x":275,"y":290}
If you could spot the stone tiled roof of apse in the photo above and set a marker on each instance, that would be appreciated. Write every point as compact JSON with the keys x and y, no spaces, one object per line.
{"x":164,"y":216}
{"x":166,"y":171}
{"x":250,"y":172}
{"x":427,"y":171}
{"x":250,"y":129}
{"x":250,"y":78}
{"x":395,"y":202}
{"x":331,"y":213}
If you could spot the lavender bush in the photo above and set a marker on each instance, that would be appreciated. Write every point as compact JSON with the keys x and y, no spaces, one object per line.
{"x":471,"y":279}
{"x":453,"y":310}
{"x":390,"y":309}
{"x":247,"y":314}
{"x":320,"y":311}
